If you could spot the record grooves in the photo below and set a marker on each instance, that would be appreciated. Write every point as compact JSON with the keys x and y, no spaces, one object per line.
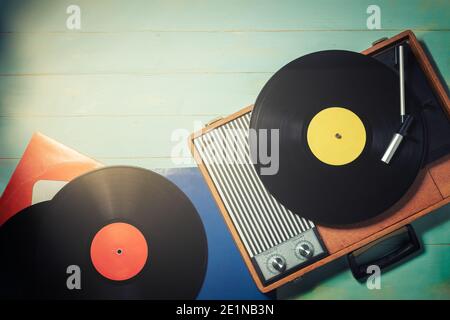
{"x":348,"y":184}
{"x":133,"y":234}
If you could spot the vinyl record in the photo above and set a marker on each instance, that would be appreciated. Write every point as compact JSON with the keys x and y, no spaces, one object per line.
{"x":18,"y":255}
{"x":129,"y":232}
{"x":336,"y":112}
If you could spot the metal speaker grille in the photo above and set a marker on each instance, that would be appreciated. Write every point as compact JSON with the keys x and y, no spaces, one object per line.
{"x":260,"y":220}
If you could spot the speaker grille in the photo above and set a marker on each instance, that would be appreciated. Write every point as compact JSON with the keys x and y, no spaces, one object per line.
{"x":260,"y":220}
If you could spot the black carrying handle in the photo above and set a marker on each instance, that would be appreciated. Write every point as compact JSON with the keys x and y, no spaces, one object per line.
{"x":359,"y":271}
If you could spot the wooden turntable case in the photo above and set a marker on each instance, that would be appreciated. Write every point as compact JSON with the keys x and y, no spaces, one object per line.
{"x":430,"y":191}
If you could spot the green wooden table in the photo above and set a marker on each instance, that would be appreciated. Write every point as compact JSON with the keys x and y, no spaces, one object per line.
{"x":140,"y":75}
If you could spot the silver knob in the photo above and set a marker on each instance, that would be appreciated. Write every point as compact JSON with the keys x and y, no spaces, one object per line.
{"x":278,"y":264}
{"x":305,"y":249}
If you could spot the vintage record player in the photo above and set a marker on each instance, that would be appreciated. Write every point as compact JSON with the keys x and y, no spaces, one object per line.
{"x":278,"y":224}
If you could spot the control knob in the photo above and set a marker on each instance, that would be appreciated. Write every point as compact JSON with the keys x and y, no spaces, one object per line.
{"x":304,"y":249}
{"x":278,"y":263}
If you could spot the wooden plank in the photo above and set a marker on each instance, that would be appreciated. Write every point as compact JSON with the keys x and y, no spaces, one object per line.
{"x":154,"y":52}
{"x":433,"y":229}
{"x":181,"y":94}
{"x":217,"y":15}
{"x":424,"y":277}
{"x":103,"y":137}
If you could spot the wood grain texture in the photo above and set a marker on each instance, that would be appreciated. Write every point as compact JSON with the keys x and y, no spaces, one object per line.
{"x":223,"y":16}
{"x":423,"y":277}
{"x":182,"y":52}
{"x":94,"y":95}
{"x":139,"y":69}
{"x":102,"y":136}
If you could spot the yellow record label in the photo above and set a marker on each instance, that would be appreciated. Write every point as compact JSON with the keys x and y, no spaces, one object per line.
{"x":336,"y":136}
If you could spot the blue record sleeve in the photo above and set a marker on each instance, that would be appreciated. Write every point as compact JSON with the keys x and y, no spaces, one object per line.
{"x":227,"y":277}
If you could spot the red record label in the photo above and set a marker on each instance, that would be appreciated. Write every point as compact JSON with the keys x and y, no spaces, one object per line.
{"x":119,"y":251}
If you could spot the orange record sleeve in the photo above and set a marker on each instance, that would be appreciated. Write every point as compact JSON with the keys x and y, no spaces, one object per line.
{"x":43,"y":159}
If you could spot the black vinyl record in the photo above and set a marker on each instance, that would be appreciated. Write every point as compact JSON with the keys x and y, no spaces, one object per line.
{"x":130,"y":232}
{"x":312,"y":181}
{"x":18,"y":255}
